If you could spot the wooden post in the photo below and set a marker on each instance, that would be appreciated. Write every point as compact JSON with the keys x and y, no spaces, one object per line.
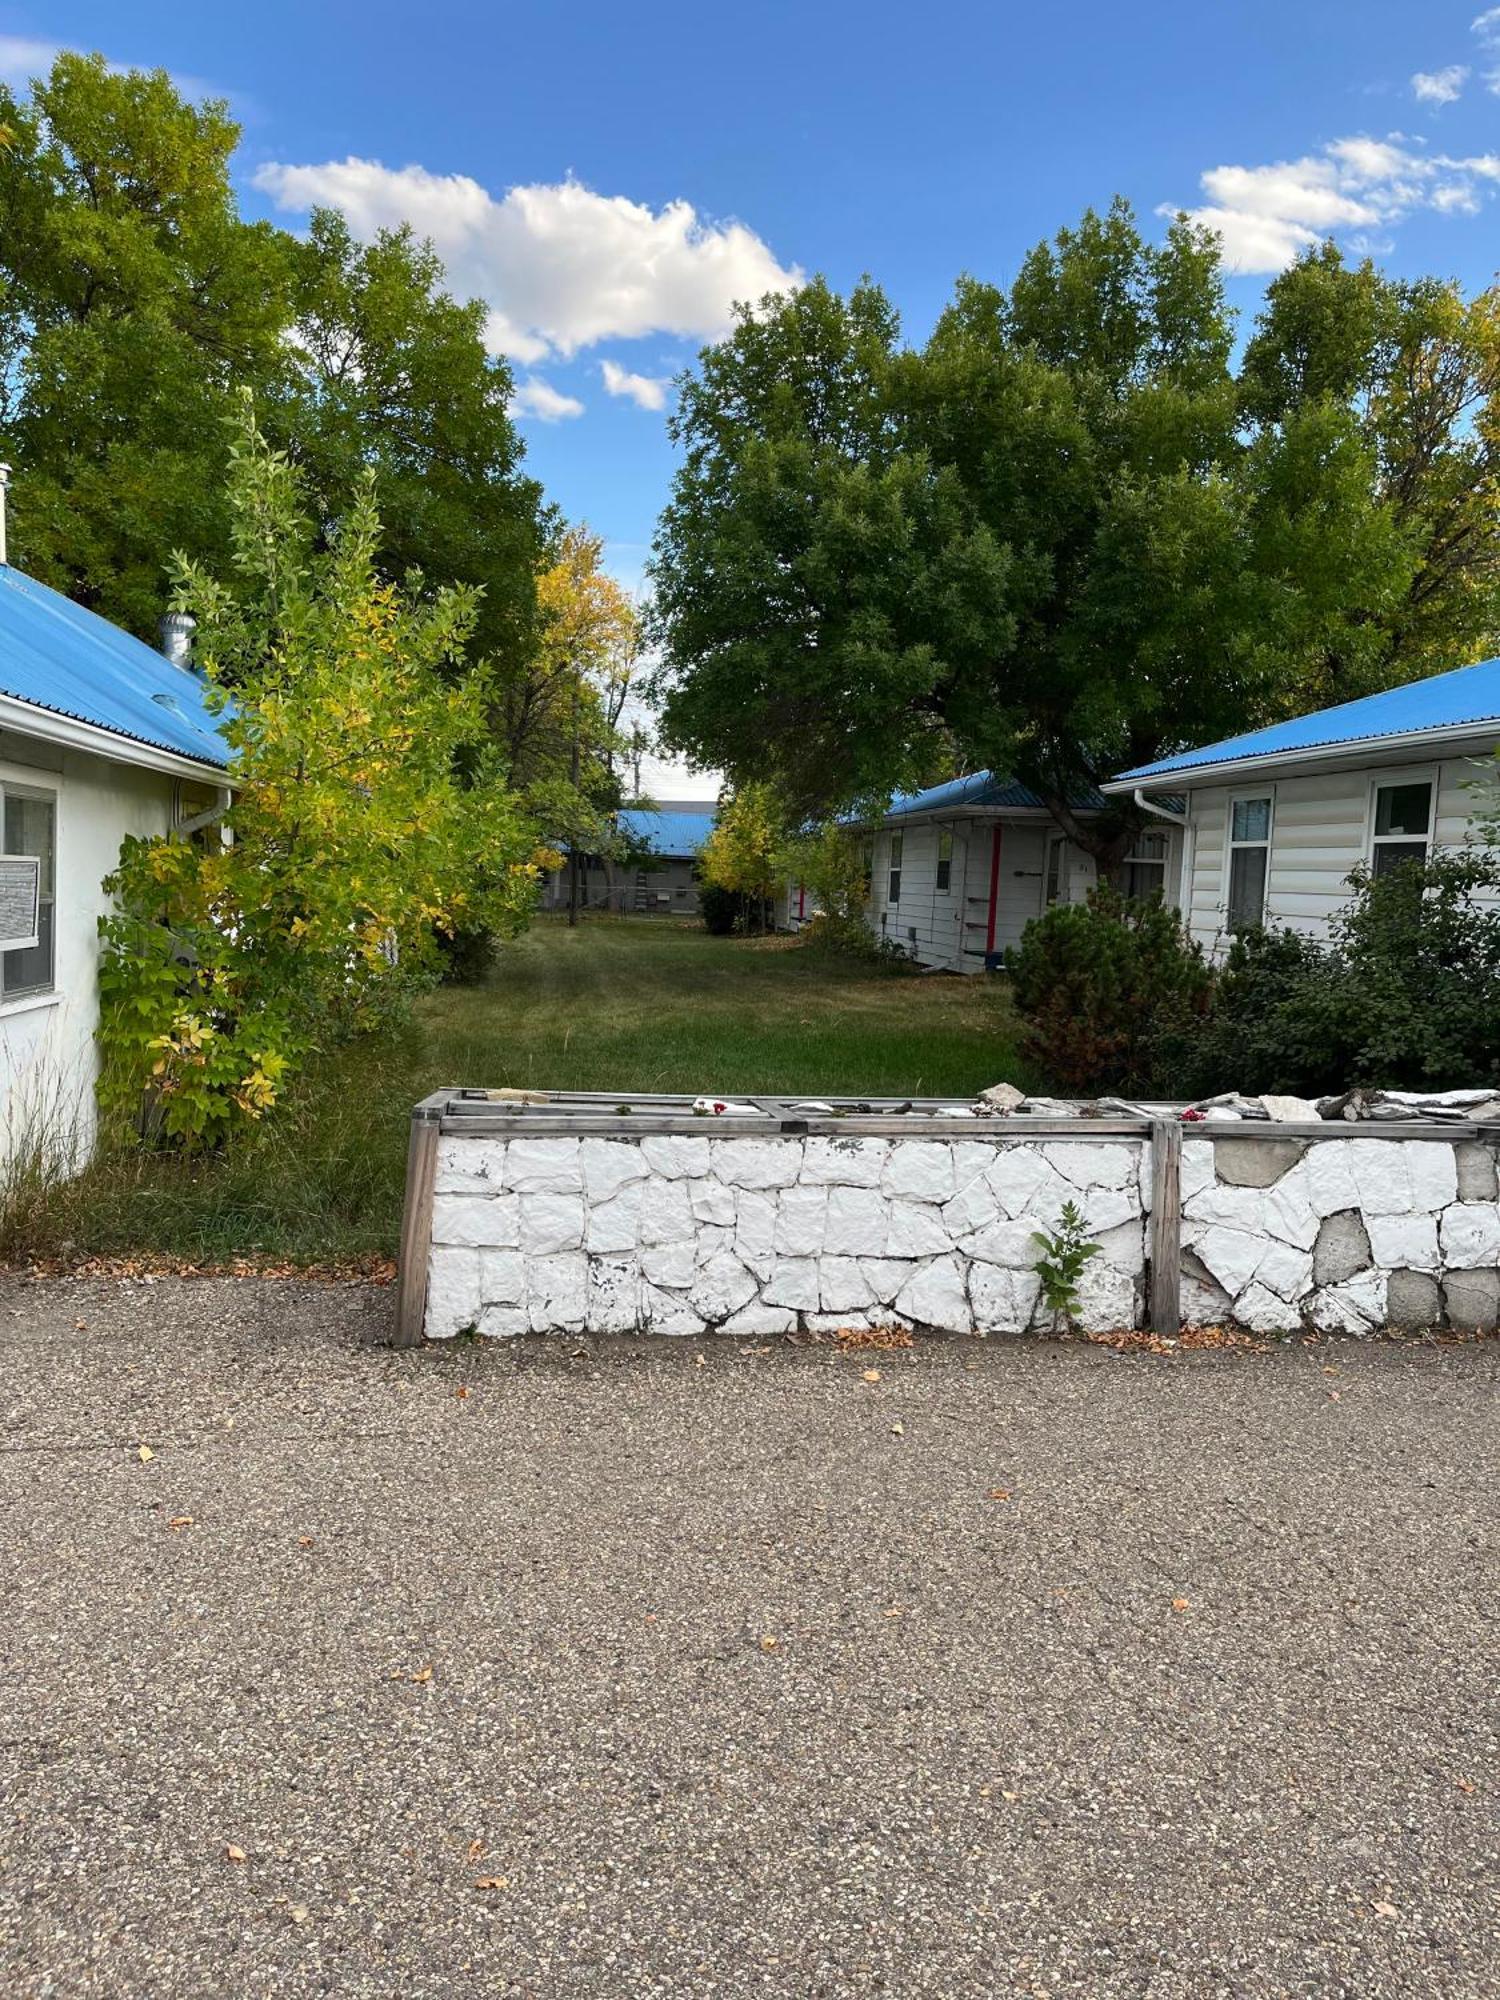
{"x":416,"y":1220}
{"x":1166,"y":1226}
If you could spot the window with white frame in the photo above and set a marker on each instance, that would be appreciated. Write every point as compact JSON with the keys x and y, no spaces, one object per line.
{"x":1402,"y":826}
{"x":893,"y":886}
{"x":1146,"y":866}
{"x":945,"y":861}
{"x":1249,"y":862}
{"x":30,"y":827}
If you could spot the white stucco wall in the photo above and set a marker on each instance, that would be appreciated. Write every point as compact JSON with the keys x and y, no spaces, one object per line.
{"x":754,"y":1236}
{"x":48,"y":1061}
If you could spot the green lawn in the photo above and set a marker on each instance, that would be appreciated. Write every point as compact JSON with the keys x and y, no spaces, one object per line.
{"x":627,"y":1004}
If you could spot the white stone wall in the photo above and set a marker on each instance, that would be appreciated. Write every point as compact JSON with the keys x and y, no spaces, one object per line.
{"x":1344,"y":1235}
{"x":758,"y":1236}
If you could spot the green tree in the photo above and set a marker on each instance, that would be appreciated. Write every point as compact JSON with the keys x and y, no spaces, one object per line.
{"x":351,"y":834}
{"x":1046,"y":543}
{"x":744,"y":853}
{"x":132,"y":299}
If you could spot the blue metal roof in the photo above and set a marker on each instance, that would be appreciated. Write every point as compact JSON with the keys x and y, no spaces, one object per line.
{"x":672,"y":832}
{"x":1443,"y":702}
{"x":58,"y":656}
{"x":982,"y":792}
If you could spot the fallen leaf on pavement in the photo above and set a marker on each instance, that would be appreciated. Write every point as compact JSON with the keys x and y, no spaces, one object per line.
{"x":492,"y":1882}
{"x":769,"y":1642}
{"x":871,"y":1375}
{"x":476,"y":1848}
{"x":299,"y":1913}
{"x":898,"y":1430}
{"x":1385,"y":1909}
{"x":233,"y":1853}
{"x":459,"y":1395}
{"x":304,"y":1541}
{"x":422,"y":1675}
{"x":1181,"y":1603}
{"x":1466,"y":1786}
{"x":998,"y":1493}
{"x":146,"y":1454}
{"x":180,"y":1521}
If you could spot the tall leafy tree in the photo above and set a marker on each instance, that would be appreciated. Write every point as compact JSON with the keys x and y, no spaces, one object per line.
{"x":1079,"y":553}
{"x":132,"y":299}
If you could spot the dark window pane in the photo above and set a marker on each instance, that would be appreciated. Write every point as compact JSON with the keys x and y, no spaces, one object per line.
{"x":1143,"y":879}
{"x":27,"y":970}
{"x":1403,"y":809}
{"x":1251,"y":819}
{"x":1247,"y":888}
{"x":895,"y":886}
{"x":1393,"y":854}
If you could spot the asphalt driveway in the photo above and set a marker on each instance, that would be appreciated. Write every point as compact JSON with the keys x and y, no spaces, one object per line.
{"x":658,"y":1668}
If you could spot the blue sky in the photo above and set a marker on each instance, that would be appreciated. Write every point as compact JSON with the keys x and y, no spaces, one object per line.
{"x":609,"y":178}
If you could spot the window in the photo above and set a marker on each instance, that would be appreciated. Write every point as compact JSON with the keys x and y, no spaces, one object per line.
{"x":1146,"y":867}
{"x":31,"y":828}
{"x":1249,"y":860}
{"x":894,"y":886}
{"x":945,"y":860}
{"x":1403,"y":825}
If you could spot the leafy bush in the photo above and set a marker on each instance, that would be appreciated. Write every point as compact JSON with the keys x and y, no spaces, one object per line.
{"x":1099,"y":984}
{"x":466,"y":955}
{"x":1405,"y":994}
{"x":720,"y":909}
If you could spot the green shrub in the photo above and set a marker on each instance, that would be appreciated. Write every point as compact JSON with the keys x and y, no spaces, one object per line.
{"x":1099,"y":985}
{"x":1405,"y":995}
{"x":722,"y":910}
{"x":466,"y":956}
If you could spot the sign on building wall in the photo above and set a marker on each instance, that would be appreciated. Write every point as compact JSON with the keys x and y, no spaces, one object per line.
{"x":20,"y":892}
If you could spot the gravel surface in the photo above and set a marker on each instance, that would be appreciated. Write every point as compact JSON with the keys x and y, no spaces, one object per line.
{"x":684,"y":1668}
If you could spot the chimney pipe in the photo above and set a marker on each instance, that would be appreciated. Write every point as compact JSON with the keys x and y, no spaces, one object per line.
{"x":4,"y":490}
{"x":177,"y":629}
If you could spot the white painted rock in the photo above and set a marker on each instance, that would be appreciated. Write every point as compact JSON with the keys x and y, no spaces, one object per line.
{"x":844,"y":1162}
{"x":469,"y":1166}
{"x":557,"y":1292}
{"x":608,"y":1164}
{"x":1002,"y":1097}
{"x":758,"y":1163}
{"x":917,"y":1230}
{"x":885,"y":1276}
{"x":935,"y":1296}
{"x":503,"y":1322}
{"x":666,"y":1312}
{"x":1106,"y":1298}
{"x":675,"y":1158}
{"x":543,"y":1166}
{"x":1471,"y":1236}
{"x":666,"y":1212}
{"x":1403,"y":1242}
{"x":670,"y":1265}
{"x":756,"y":1321}
{"x":801,"y":1216}
{"x":919,"y":1170}
{"x":551,"y":1222}
{"x":721,"y":1287}
{"x":1107,"y":1165}
{"x":453,"y":1300}
{"x":1432,"y":1166}
{"x":1231,"y":1255}
{"x":793,"y":1283}
{"x":1353,"y":1307}
{"x":477,"y":1220}
{"x":858,"y":1223}
{"x":1261,"y":1310}
{"x":614,"y":1295}
{"x":502,"y":1277}
{"x":1284,"y":1270}
{"x":1290,"y":1110}
{"x":1008,"y":1243}
{"x":1002,"y":1301}
{"x":614,"y":1226}
{"x":755,"y":1230}
{"x":842,"y":1286}
{"x":712,"y":1201}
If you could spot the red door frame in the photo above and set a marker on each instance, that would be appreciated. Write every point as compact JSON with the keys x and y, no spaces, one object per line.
{"x":989,"y":939}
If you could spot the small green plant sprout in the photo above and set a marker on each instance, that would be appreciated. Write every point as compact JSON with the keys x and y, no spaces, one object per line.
{"x":1063,"y":1254}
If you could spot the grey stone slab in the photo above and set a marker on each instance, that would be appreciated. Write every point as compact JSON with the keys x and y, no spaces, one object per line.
{"x":1342,"y":1248}
{"x":1477,"y":1178}
{"x":1413,"y":1300}
{"x":1472,"y":1299}
{"x":1255,"y":1163}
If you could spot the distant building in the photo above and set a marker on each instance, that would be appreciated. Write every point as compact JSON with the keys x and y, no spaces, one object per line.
{"x":664,"y":884}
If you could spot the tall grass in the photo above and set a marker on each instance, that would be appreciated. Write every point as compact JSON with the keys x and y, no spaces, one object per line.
{"x":627,"y":1004}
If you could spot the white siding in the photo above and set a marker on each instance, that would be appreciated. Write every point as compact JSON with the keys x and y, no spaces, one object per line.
{"x":1320,"y":830}
{"x":48,"y":1060}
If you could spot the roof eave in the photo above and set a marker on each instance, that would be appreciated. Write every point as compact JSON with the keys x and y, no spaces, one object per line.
{"x":68,"y":733}
{"x":1185,"y":777}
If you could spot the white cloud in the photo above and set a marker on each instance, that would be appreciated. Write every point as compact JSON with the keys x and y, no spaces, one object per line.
{"x":559,"y":266}
{"x":647,"y":392}
{"x":1487,"y":27}
{"x":537,"y":398}
{"x":1440,"y":86}
{"x":23,"y":58}
{"x":1266,"y":215}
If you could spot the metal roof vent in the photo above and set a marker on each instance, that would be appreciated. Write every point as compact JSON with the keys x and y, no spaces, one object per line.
{"x":177,"y":629}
